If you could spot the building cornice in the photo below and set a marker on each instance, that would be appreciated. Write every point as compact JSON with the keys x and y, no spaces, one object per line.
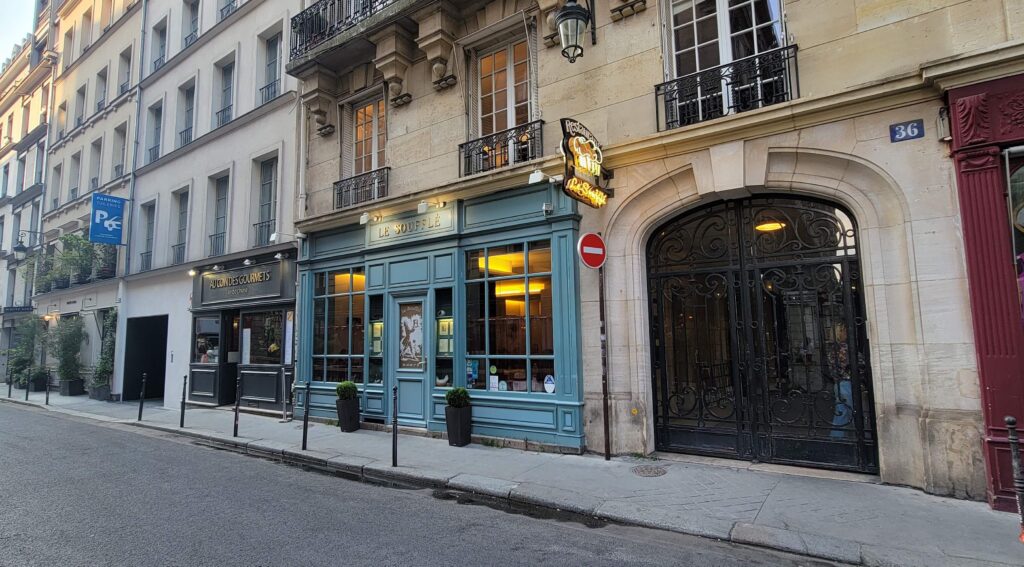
{"x":988,"y":64}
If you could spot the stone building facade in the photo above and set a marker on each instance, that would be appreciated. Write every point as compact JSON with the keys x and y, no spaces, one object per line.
{"x":826,"y":113}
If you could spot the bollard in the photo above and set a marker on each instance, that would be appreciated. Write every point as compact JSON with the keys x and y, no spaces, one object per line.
{"x":142,"y":395}
{"x":184,"y":392}
{"x":10,"y":379}
{"x":284,"y":398}
{"x":305,"y":417}
{"x":47,"y":402}
{"x":394,"y":426}
{"x":1018,"y":474}
{"x":238,"y":401}
{"x":28,"y":383}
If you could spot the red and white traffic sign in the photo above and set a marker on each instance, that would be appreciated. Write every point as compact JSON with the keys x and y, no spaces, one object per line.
{"x":592,"y":250}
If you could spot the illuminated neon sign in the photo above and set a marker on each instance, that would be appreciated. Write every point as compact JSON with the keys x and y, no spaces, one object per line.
{"x":586,"y":179}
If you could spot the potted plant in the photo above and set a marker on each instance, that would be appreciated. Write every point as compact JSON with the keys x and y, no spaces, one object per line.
{"x":37,"y":379}
{"x":77,"y":257}
{"x":66,"y":342}
{"x":99,"y":385}
{"x":458,"y":417}
{"x":348,"y":406}
{"x":107,"y":265}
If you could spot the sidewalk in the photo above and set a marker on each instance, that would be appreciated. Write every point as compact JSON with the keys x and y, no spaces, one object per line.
{"x":844,"y":520}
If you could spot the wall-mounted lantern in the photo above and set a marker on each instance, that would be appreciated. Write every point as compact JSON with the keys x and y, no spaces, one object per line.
{"x":572,"y":21}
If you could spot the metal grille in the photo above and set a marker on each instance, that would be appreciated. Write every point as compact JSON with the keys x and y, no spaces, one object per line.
{"x":262,"y":231}
{"x":270,"y":91}
{"x":759,"y":337}
{"x":369,"y":186}
{"x":515,"y":145}
{"x":328,"y":18}
{"x":745,"y":84}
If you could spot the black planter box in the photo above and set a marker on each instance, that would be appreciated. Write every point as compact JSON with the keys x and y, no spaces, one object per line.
{"x":72,"y":387}
{"x":101,"y":393}
{"x":460,"y":425}
{"x":348,"y":414}
{"x":37,"y":385}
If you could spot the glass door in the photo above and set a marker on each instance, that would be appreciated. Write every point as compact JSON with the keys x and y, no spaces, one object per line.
{"x":409,"y":358}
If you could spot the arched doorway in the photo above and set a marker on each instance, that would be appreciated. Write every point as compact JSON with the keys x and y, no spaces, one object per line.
{"x":758,"y":335}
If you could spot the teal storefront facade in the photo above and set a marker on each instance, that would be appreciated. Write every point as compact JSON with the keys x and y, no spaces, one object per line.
{"x":480,"y":293}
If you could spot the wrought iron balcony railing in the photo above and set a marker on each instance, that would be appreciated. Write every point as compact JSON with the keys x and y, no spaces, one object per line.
{"x":100,"y":104}
{"x":262,"y":231}
{"x":123,"y":87}
{"x":94,"y":183}
{"x":185,"y":137}
{"x":228,"y":9}
{"x":157,"y":63}
{"x":118,"y":170}
{"x":190,"y":38}
{"x":515,"y":145}
{"x":745,"y":84}
{"x":270,"y":91}
{"x":154,"y":153}
{"x":223,"y":116}
{"x":145,"y":261}
{"x":368,"y":186}
{"x":72,"y":193}
{"x":328,"y":18}
{"x":79,"y":120}
{"x":178,"y":254}
{"x":217,"y":244}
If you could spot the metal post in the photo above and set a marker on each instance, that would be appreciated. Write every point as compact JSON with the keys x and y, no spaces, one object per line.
{"x":10,"y":379}
{"x":394,"y":426}
{"x":238,"y":401}
{"x":284,"y":398}
{"x":142,"y":395}
{"x":47,"y":402}
{"x":604,"y":363}
{"x":305,"y":416}
{"x":1018,"y":474}
{"x":184,"y":393}
{"x":28,"y":383}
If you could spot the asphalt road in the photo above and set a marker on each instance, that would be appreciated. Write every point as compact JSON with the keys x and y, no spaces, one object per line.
{"x":75,"y":492}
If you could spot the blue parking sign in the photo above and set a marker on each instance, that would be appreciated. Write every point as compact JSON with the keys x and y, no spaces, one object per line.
{"x":105,"y":226}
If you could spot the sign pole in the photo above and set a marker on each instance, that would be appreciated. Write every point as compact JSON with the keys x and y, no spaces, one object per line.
{"x":604,"y":362}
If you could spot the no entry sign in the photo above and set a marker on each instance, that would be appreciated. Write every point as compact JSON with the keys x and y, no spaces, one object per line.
{"x":592,"y":250}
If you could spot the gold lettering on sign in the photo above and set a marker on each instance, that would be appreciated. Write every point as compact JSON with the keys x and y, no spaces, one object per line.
{"x":585,"y":176}
{"x":412,"y":226}
{"x":241,"y":279}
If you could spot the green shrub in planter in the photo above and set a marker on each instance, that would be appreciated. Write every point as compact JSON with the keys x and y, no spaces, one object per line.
{"x":458,"y":417}
{"x":348,"y":406}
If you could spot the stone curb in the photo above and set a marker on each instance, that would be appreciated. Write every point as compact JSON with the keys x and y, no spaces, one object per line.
{"x":519,"y":493}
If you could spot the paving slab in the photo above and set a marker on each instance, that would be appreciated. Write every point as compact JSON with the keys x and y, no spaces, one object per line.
{"x":485,"y":485}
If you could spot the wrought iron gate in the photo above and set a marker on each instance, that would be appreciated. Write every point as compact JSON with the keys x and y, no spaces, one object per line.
{"x":758,"y":334}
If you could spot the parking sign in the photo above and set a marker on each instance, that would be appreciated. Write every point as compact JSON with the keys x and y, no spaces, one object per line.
{"x":107,"y":221}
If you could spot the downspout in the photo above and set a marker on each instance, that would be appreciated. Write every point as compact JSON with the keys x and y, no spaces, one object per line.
{"x":135,"y":143}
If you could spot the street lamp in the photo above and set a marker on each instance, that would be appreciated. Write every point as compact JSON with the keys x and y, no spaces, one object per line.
{"x":19,"y":249}
{"x":572,"y":21}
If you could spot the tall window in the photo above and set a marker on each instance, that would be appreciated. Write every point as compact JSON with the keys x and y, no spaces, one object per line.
{"x":370,"y":136}
{"x":19,"y":181}
{"x":510,"y":339}
{"x":220,"y":217}
{"x":149,"y":216}
{"x":338,"y":325}
{"x":188,"y":105}
{"x":40,"y":160}
{"x":268,"y":189}
{"x":190,"y":23}
{"x":224,"y":111}
{"x":504,"y":88}
{"x":3,"y":182}
{"x":159,"y":45}
{"x":182,"y":217}
{"x":272,"y":72}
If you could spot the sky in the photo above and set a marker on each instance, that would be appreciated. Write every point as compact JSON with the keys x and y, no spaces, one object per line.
{"x":15,"y":22}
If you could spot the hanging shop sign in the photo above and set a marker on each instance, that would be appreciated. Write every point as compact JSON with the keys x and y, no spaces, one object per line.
{"x":105,"y":226}
{"x":586,"y":179}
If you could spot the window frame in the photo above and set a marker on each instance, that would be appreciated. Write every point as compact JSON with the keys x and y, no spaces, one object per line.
{"x":325,"y":296}
{"x":378,"y":140}
{"x":507,"y":45}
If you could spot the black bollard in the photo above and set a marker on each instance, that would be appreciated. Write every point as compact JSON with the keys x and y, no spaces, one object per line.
{"x":142,"y":395}
{"x":47,"y":402}
{"x":305,"y":417}
{"x":238,"y":401}
{"x":394,"y":426}
{"x":10,"y":379}
{"x":1018,"y":474}
{"x":28,"y":383}
{"x":184,"y":392}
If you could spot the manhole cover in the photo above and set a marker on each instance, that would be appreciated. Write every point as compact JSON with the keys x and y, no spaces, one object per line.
{"x":648,"y":470}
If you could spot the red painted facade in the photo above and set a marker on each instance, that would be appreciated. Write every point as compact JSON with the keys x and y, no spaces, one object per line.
{"x":987,"y":118}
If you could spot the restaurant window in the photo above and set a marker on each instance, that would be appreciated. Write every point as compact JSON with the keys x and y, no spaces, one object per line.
{"x":510,"y":338}
{"x":338,"y":325}
{"x":207,"y":350}
{"x":444,"y":339}
{"x":263,"y":337}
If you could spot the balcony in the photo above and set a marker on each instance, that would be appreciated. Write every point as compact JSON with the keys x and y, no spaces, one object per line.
{"x":185,"y":137}
{"x":100,"y":104}
{"x":328,"y":18}
{"x":94,"y":183}
{"x":79,"y":120}
{"x":178,"y":254}
{"x":118,"y":170}
{"x":217,"y":244}
{"x":72,"y":193}
{"x":145,"y":261}
{"x":515,"y":145}
{"x":157,"y":63}
{"x":123,"y":87}
{"x":190,"y":38}
{"x":154,"y":153}
{"x":745,"y":84}
{"x":262,"y":231}
{"x":228,"y":9}
{"x":368,"y":186}
{"x":223,"y":116}
{"x":270,"y":91}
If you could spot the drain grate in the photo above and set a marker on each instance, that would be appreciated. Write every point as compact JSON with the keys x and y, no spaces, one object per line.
{"x":648,"y":471}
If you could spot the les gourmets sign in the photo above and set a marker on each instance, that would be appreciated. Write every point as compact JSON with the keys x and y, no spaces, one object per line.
{"x":586,"y":179}
{"x":244,"y":284}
